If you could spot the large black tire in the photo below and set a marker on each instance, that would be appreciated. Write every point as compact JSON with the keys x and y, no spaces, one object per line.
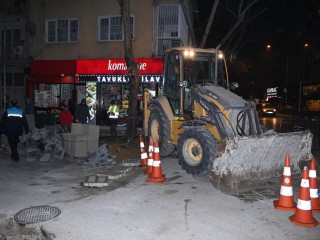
{"x":197,"y":149}
{"x":159,"y":128}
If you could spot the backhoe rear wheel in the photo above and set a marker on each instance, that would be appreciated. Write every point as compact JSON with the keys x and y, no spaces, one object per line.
{"x":197,"y":149}
{"x":159,"y":128}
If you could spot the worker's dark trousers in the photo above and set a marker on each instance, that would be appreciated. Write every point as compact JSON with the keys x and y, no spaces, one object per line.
{"x":113,"y":126}
{"x":13,"y":143}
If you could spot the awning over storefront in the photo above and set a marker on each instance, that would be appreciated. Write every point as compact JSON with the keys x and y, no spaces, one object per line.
{"x":94,"y":70}
{"x":53,"y":71}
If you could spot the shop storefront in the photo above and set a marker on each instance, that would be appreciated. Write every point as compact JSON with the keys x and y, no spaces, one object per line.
{"x":97,"y":80}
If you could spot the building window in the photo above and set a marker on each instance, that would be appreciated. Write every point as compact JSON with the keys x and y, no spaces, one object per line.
{"x":170,"y":28}
{"x":111,"y":28}
{"x":168,"y":21}
{"x":62,"y":30}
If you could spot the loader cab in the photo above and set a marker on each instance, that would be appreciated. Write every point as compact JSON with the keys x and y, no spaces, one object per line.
{"x":184,"y":69}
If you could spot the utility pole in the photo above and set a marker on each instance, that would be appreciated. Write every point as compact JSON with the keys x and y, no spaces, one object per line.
{"x":287,"y":68}
{"x":4,"y":58}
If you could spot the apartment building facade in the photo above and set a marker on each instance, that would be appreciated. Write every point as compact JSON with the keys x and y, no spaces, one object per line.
{"x":13,"y":51}
{"x":75,"y":49}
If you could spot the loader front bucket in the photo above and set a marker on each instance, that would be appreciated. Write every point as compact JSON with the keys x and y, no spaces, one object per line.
{"x":246,"y":159}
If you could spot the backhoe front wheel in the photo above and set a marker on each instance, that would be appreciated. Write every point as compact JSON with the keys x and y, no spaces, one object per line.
{"x":197,"y":149}
{"x":159,"y":128}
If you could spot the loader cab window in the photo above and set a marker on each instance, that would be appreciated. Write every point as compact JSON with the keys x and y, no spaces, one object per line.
{"x":201,"y":69}
{"x":171,"y":86}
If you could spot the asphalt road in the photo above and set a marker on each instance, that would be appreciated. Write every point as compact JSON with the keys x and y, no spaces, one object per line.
{"x":184,"y":207}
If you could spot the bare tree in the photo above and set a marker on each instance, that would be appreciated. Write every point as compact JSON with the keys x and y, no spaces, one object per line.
{"x":243,"y":18}
{"x":206,"y":32}
{"x":132,"y":70}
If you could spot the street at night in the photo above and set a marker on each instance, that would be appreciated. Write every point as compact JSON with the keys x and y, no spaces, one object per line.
{"x":151,"y":120}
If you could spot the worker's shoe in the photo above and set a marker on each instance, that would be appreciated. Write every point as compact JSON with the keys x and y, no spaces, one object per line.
{"x":15,"y":158}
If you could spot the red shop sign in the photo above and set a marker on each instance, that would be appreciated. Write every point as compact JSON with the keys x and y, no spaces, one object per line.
{"x":147,"y":66}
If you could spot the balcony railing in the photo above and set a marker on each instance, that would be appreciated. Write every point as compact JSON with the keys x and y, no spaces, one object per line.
{"x":165,"y":43}
{"x":13,"y":51}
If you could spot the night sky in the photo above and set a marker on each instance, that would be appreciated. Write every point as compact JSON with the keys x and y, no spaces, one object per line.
{"x":284,"y":24}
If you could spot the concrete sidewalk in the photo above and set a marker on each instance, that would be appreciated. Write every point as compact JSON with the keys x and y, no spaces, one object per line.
{"x":184,"y":207}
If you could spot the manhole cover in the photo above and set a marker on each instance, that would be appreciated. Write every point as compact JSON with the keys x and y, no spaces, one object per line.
{"x":36,"y":214}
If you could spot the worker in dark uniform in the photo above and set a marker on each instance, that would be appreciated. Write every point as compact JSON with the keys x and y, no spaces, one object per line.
{"x":13,"y":123}
{"x":82,"y":114}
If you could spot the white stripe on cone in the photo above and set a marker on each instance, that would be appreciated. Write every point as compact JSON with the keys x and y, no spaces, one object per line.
{"x":304,"y":205}
{"x":314,"y":193}
{"x":156,"y":163}
{"x":305,"y":183}
{"x":312,"y":174}
{"x":286,"y":191}
{"x":286,"y":171}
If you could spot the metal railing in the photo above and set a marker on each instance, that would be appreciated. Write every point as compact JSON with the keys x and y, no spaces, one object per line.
{"x":13,"y":51}
{"x":165,"y":43}
{"x":299,"y":124}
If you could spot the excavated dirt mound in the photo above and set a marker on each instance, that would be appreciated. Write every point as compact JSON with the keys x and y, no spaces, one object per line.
{"x":120,"y":149}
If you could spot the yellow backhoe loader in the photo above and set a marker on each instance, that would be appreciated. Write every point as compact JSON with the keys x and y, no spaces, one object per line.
{"x":213,"y":130}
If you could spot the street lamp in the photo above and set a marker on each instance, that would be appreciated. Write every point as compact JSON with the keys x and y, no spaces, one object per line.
{"x":306,"y":46}
{"x":269,"y":46}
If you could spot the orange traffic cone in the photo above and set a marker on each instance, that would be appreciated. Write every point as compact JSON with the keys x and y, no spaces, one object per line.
{"x":303,"y":216}
{"x":314,"y":194}
{"x":144,"y":154}
{"x":156,"y":175}
{"x":150,"y":159}
{"x":286,"y":201}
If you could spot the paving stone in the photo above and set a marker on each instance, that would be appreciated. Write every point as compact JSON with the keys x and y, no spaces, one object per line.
{"x":131,"y":162}
{"x":121,"y":168}
{"x":96,"y":181}
{"x":114,"y":175}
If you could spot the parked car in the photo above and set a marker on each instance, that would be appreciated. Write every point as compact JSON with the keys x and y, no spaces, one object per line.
{"x":267,"y":109}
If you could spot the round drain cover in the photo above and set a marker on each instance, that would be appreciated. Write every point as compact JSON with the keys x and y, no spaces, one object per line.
{"x":36,"y":214}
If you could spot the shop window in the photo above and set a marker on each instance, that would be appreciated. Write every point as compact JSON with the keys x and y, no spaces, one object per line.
{"x":47,"y":96}
{"x":111,"y":28}
{"x":66,"y":93}
{"x":62,"y":30}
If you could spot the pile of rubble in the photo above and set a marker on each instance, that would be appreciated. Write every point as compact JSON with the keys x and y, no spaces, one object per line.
{"x":46,"y":144}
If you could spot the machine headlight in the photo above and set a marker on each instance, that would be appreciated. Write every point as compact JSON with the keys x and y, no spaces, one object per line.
{"x":188,"y":53}
{"x":220,"y":56}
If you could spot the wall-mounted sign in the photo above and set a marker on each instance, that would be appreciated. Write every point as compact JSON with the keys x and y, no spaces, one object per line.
{"x":146,"y":66}
{"x":118,"y":78}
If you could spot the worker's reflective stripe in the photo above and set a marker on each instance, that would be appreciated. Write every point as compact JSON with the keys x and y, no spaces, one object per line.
{"x":156,"y":150}
{"x":312,"y":174}
{"x":304,"y":205}
{"x":156,"y":163}
{"x":113,"y":109}
{"x":314,"y":193}
{"x":144,"y":156}
{"x":286,"y":171}
{"x":286,"y":191}
{"x":14,"y":115}
{"x":150,"y":161}
{"x":304,"y":183}
{"x":141,"y":144}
